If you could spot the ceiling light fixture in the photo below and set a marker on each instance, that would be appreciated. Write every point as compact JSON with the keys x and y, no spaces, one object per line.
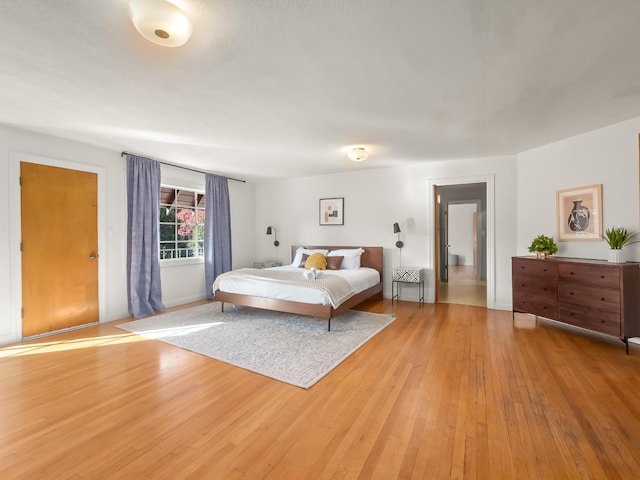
{"x":358,"y":154}
{"x":161,"y":22}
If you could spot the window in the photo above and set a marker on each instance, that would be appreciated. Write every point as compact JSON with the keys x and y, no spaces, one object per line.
{"x":181,"y":223}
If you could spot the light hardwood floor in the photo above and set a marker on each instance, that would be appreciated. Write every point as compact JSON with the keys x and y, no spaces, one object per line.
{"x":462,"y":287}
{"x":446,"y":391}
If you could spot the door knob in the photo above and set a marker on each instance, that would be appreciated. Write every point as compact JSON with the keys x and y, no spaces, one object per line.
{"x":93,"y":256}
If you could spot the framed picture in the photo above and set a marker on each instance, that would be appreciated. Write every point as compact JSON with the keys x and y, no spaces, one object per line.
{"x":579,"y":213}
{"x":332,"y":211}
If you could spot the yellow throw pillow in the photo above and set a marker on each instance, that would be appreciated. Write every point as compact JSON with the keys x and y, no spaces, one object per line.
{"x":316,"y":260}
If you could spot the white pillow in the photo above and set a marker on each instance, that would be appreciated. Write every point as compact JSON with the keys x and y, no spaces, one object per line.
{"x":301,"y":250}
{"x":346,"y":252}
{"x":351,"y":260}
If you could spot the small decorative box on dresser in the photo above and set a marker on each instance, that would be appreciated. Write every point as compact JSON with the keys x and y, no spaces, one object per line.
{"x":594,"y":294}
{"x":407,"y":275}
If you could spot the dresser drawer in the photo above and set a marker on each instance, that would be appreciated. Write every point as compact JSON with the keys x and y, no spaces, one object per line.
{"x":594,"y":275}
{"x":531,"y":284}
{"x":591,"y":297}
{"x":536,"y":303}
{"x":596,"y":320}
{"x":533,"y":267}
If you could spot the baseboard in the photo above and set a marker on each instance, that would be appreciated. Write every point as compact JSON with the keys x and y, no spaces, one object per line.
{"x":176,"y":302}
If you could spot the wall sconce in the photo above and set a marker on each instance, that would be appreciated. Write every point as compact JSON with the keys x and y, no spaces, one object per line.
{"x":160,"y":22}
{"x":396,"y":229}
{"x":358,"y":154}
{"x":271,"y":230}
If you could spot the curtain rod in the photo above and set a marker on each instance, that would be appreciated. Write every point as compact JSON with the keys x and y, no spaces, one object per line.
{"x":122,"y":154}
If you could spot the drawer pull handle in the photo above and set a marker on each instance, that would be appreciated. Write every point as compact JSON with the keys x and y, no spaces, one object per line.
{"x":601,"y":276}
{"x":602,"y":299}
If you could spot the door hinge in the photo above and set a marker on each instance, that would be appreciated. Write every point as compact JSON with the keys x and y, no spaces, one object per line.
{"x":22,"y":313}
{"x":21,"y":246}
{"x":20,"y":180}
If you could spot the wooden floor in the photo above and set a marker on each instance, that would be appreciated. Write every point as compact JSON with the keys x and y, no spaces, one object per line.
{"x":446,"y":391}
{"x":462,"y":287}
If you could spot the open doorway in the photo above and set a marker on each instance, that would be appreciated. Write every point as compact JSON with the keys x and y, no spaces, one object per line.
{"x":461,"y":246}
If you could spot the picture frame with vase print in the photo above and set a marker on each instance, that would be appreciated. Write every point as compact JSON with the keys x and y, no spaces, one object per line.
{"x":579,"y":213}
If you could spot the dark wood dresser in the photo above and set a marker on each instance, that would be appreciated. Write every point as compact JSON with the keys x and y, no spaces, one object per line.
{"x":594,"y":294}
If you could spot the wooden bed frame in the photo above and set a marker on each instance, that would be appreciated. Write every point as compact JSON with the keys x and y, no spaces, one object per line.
{"x":372,"y":258}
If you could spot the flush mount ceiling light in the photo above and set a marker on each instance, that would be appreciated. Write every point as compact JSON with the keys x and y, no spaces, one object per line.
{"x":358,"y":154}
{"x":161,"y":22}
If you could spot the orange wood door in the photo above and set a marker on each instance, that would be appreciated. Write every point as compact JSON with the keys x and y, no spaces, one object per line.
{"x":59,"y":248}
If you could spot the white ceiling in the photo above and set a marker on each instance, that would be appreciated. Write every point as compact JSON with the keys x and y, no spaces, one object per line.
{"x":279,"y":88}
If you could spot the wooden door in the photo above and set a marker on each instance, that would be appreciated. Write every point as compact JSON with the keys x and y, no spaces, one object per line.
{"x":475,"y":240}
{"x":59,"y":248}
{"x":445,"y":233}
{"x":436,"y":216}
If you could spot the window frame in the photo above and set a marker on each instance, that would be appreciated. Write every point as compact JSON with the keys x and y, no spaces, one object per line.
{"x":198,"y":206}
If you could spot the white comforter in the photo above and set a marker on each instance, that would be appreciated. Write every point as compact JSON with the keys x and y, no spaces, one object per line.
{"x":359,"y":279}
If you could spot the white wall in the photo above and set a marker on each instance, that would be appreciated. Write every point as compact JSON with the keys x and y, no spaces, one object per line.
{"x":461,"y":231}
{"x":180,"y":283}
{"x":608,"y":156}
{"x":374,"y":200}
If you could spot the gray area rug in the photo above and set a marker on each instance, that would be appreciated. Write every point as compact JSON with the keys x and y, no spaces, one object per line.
{"x":295,"y":349}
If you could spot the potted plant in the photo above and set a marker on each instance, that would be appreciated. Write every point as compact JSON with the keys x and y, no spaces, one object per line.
{"x":543,"y":246}
{"x":617,"y":238}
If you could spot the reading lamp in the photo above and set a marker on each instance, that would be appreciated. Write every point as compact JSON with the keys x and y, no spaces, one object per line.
{"x":271,"y":230}
{"x":396,"y":229}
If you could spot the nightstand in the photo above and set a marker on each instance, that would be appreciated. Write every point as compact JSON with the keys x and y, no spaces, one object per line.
{"x":407,"y":275}
{"x":267,"y":264}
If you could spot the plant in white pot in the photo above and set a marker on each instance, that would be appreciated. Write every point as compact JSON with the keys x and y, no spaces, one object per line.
{"x":617,"y":238}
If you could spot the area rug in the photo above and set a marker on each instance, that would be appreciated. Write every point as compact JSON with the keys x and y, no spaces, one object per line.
{"x":291,"y":348}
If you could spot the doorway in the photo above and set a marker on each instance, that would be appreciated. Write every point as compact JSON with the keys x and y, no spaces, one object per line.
{"x":461,"y":246}
{"x":59,"y":244}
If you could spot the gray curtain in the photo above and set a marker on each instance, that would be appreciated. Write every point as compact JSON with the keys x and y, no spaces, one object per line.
{"x":143,"y":265}
{"x":217,"y":233}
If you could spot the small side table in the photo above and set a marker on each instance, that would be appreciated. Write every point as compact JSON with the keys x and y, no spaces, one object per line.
{"x":267,"y":264}
{"x":407,"y":275}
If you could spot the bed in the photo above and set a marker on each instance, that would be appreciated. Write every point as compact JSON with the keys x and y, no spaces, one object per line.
{"x":371,"y":258}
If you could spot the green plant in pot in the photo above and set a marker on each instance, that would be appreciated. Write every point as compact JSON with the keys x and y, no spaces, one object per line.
{"x":617,"y":238}
{"x":543,"y":246}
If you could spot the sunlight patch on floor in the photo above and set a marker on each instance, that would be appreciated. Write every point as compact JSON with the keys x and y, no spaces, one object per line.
{"x":37,"y":348}
{"x":179,"y":330}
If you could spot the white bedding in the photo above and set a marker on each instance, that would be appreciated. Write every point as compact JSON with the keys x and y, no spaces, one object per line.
{"x":360,"y":280}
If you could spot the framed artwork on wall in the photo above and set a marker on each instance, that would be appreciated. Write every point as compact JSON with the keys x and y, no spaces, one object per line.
{"x":579,"y":213}
{"x":332,"y":211}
